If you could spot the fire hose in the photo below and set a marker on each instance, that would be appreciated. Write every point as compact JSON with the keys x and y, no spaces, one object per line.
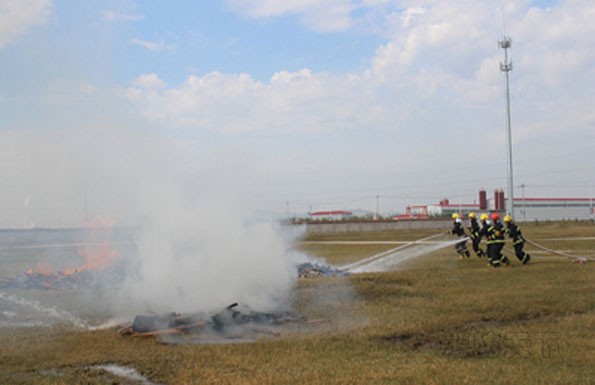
{"x":559,"y":253}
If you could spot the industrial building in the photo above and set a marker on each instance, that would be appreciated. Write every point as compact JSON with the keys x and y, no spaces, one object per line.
{"x":526,"y":209}
{"x":530,"y":209}
{"x":330,"y":215}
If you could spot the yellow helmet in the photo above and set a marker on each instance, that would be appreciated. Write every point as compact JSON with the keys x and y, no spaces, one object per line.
{"x":471,"y":215}
{"x":507,"y":218}
{"x":455,"y":216}
{"x":483,"y":217}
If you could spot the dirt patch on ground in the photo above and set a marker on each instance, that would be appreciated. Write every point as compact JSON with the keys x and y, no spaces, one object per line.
{"x":487,"y":337}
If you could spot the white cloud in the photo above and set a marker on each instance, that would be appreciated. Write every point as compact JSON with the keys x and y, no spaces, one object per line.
{"x":291,"y":101}
{"x":556,"y":43}
{"x":148,"y":81}
{"x":435,"y":82}
{"x":430,"y":100}
{"x":446,"y":35}
{"x":88,"y":89}
{"x":16,"y":17}
{"x":153,"y":46}
{"x":269,"y":8}
{"x":118,"y":16}
{"x":443,"y":54}
{"x":410,"y":14}
{"x":320,"y":15}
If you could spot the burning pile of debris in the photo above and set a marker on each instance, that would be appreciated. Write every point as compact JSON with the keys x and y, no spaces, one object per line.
{"x":64,"y":280}
{"x":234,"y":322}
{"x":308,"y":269}
{"x":100,"y":268}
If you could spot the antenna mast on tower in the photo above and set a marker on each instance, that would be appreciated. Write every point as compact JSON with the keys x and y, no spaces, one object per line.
{"x":505,"y":43}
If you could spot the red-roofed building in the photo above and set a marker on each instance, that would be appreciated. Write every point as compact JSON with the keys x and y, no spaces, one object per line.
{"x":330,"y":215}
{"x":525,"y":208}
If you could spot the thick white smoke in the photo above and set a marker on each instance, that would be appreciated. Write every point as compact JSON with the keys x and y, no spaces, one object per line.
{"x":202,"y":248}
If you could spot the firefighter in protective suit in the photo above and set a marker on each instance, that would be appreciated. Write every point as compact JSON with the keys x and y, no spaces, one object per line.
{"x":495,"y":237}
{"x":458,"y":230}
{"x":514,"y":232}
{"x":475,"y":235}
{"x":483,"y":232}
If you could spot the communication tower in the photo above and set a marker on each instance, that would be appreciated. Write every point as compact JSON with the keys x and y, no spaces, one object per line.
{"x":505,"y":43}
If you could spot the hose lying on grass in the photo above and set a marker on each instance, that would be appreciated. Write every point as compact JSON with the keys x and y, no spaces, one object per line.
{"x":577,"y":259}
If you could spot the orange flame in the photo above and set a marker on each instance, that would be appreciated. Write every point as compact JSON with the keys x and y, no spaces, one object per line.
{"x":100,"y":255}
{"x":97,"y":255}
{"x":69,"y":271}
{"x":41,"y":269}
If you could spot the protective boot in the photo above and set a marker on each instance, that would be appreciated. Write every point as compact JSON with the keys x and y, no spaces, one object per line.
{"x":526,"y":259}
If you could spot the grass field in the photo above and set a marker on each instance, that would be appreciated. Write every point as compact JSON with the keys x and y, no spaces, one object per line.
{"x":438,"y":321}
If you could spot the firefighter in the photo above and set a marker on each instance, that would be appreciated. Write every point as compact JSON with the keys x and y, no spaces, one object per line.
{"x":474,"y":234}
{"x":495,"y":236}
{"x":483,"y":232}
{"x":458,"y":230}
{"x":514,"y":232}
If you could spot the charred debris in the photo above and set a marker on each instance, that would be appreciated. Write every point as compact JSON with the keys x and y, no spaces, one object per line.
{"x":235,"y":322}
{"x":73,"y":279}
{"x":309,"y":270}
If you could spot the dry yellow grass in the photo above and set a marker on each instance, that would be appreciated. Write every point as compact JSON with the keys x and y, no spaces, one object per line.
{"x":442,"y":321}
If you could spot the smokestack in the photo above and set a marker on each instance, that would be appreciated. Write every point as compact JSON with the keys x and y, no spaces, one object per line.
{"x":499,"y":201}
{"x":483,"y":200}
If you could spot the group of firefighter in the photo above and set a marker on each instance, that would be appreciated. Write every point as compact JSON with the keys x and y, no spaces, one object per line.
{"x":494,"y":232}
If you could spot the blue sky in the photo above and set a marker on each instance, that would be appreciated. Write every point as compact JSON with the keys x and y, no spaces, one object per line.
{"x":294,"y":105}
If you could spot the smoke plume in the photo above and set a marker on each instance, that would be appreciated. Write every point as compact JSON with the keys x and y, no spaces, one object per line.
{"x":204,"y":256}
{"x":201,"y":246}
